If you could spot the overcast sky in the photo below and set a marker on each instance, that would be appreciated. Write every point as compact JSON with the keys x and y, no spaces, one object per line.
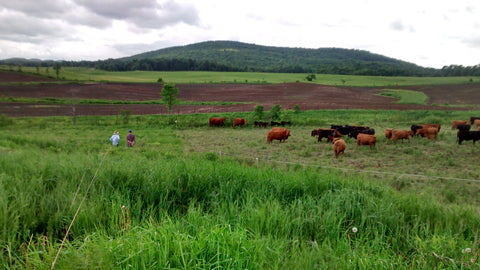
{"x":427,"y":33}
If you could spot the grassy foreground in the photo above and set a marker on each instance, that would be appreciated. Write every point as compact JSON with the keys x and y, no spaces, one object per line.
{"x":183,"y":197}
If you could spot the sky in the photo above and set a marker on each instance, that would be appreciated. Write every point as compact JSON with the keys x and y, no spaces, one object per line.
{"x":427,"y":33}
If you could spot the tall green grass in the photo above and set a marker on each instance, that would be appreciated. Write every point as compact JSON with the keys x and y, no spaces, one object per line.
{"x":162,"y":205}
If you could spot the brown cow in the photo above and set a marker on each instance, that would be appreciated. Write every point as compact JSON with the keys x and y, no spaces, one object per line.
{"x":339,"y":146}
{"x":217,"y":121}
{"x":388,"y":133}
{"x":280,"y":135}
{"x":455,"y":123}
{"x":437,"y":126}
{"x":366,"y":139}
{"x":476,"y":122}
{"x":401,"y":134}
{"x":239,"y":122}
{"x":430,"y":132}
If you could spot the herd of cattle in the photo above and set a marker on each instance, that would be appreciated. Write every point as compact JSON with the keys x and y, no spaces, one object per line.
{"x":362,"y":134}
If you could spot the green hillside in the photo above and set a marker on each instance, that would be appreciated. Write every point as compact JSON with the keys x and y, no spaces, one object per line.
{"x":252,"y":57}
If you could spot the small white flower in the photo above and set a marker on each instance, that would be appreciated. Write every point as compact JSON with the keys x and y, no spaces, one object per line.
{"x":467,"y":250}
{"x":123,"y":207}
{"x":354,"y":229}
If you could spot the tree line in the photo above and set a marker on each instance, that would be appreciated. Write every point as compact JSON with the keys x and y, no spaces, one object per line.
{"x":345,"y":67}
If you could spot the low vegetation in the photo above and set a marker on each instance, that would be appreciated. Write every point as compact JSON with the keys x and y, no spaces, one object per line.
{"x":190,"y":196}
{"x":406,"y":96}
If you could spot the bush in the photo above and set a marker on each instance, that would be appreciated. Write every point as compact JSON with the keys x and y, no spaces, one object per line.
{"x":5,"y":120}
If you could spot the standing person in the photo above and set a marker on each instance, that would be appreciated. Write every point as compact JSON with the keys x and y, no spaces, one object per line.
{"x":115,"y":139}
{"x":130,"y":138}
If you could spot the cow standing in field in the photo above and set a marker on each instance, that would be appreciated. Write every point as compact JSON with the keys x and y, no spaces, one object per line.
{"x":455,"y":123}
{"x":437,"y":126}
{"x":239,"y":122}
{"x":476,"y":122}
{"x":429,"y":132}
{"x":217,"y":121}
{"x":366,"y":139}
{"x":465,"y":135}
{"x":325,"y":133}
{"x":277,"y":133}
{"x":261,"y":124}
{"x":414,"y":128}
{"x":388,"y":133}
{"x":339,"y":146}
{"x":401,"y":134}
{"x":464,"y":127}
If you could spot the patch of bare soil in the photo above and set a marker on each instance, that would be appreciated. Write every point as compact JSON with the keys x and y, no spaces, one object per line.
{"x":287,"y":95}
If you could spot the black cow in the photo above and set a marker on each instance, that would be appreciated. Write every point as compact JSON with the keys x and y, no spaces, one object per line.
{"x":261,"y":124}
{"x":325,"y":133}
{"x":463,"y":127}
{"x":283,"y":123}
{"x":274,"y":123}
{"x":414,"y":128}
{"x":464,"y":135}
{"x":343,"y":129}
{"x":354,"y":133}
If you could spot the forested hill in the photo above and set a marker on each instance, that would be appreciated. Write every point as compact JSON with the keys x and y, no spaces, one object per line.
{"x":238,"y":56}
{"x":250,"y":57}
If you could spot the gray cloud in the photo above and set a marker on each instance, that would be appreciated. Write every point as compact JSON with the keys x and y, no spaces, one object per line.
{"x":142,"y":13}
{"x":397,"y":25}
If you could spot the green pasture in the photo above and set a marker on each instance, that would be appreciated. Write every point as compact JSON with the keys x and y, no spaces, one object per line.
{"x":193,"y":197}
{"x":406,"y":96}
{"x":90,"y":74}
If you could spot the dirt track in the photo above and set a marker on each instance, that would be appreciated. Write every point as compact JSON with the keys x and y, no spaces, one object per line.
{"x":307,"y":96}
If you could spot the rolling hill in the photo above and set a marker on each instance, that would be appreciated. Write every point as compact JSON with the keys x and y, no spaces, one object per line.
{"x":252,"y":57}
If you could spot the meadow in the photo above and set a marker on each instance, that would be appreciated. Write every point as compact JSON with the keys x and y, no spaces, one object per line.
{"x":188,"y":196}
{"x":182,"y":77}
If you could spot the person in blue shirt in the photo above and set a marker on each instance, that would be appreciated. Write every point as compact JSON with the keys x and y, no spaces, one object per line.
{"x":115,"y":139}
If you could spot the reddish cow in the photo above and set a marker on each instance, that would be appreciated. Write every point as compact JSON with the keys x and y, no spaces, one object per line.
{"x":388,"y":133}
{"x":366,"y":139}
{"x":217,"y":121}
{"x":339,"y":146}
{"x":476,"y":122}
{"x":430,"y":133}
{"x":280,"y":135}
{"x":401,"y":134}
{"x":239,"y":122}
{"x":437,"y":126}
{"x":455,"y":123}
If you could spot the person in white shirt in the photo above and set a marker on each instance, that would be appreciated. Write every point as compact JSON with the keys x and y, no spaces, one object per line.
{"x":115,"y":139}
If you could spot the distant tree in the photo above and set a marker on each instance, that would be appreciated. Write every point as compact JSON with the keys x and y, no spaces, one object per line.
{"x":296,"y":108}
{"x":275,"y":112}
{"x":258,"y":112}
{"x":37,"y":66}
{"x":169,"y":96}
{"x":311,"y":77}
{"x":57,"y":68}
{"x":19,"y":68}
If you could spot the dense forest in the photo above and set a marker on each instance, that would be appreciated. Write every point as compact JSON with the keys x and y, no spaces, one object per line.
{"x":237,"y":56}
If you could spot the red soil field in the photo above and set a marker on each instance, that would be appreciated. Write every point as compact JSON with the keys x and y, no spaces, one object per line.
{"x":287,"y":95}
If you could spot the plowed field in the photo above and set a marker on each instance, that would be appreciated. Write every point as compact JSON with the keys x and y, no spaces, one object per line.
{"x":307,"y":96}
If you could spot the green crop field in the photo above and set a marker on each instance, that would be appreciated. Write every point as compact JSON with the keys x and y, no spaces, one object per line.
{"x":188,"y":196}
{"x":85,"y":74}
